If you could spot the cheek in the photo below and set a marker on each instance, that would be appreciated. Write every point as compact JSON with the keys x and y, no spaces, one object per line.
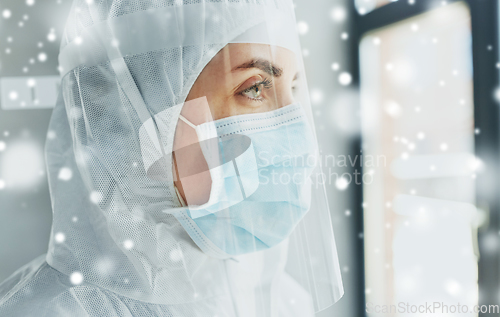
{"x":216,"y":93}
{"x":221,"y":105}
{"x":284,"y":95}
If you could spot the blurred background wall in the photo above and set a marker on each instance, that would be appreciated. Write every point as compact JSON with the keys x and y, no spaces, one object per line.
{"x":30,"y":33}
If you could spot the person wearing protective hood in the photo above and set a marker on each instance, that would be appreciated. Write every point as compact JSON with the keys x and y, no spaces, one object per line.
{"x":196,"y":189}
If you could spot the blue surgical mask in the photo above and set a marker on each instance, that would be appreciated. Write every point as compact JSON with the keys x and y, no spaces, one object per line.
{"x":268,"y":182}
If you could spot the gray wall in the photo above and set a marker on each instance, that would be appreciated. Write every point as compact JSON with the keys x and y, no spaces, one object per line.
{"x":25,"y":213}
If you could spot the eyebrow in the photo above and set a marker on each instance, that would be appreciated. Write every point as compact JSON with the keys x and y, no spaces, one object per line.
{"x":262,"y":64}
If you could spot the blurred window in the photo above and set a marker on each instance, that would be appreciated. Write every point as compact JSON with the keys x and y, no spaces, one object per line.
{"x":418,"y":115}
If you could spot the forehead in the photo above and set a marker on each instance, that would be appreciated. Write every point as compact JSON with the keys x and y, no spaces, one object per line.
{"x":235,"y":54}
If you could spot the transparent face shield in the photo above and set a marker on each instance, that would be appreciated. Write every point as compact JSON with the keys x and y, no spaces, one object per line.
{"x":246,"y":171}
{"x":196,"y":119}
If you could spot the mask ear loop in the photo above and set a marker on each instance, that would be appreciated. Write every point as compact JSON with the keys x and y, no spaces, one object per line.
{"x":186,"y":121}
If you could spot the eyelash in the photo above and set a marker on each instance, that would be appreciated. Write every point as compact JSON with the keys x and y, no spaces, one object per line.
{"x":266,"y":84}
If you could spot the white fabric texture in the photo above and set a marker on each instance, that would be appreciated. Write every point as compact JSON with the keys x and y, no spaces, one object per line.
{"x":122,"y":254}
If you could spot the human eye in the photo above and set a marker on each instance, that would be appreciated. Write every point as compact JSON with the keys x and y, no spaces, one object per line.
{"x":256,"y":90}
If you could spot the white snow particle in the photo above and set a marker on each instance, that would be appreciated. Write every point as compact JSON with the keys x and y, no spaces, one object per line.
{"x":95,"y":197}
{"x":345,"y":78}
{"x":497,"y":95}
{"x":341,"y":183}
{"x":316,"y":96}
{"x":42,"y":57}
{"x":393,"y":109}
{"x":128,"y":244}
{"x":338,"y":14}
{"x":13,"y":95}
{"x":176,"y":255}
{"x":453,"y":287}
{"x":65,"y":174}
{"x":30,"y":2}
{"x":335,"y":66}
{"x":2,"y":184}
{"x":60,"y":237}
{"x":76,"y":278}
{"x":302,"y":27}
{"x":344,"y":36}
{"x":51,"y":37}
{"x":3,"y":145}
{"x":6,"y":13}
{"x":31,"y":82}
